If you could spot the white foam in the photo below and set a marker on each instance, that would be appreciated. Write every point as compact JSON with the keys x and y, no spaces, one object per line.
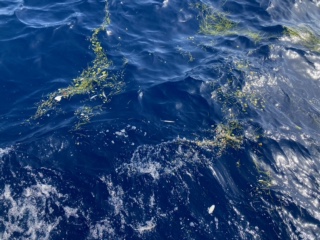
{"x":102,"y":230}
{"x":116,"y":195}
{"x":27,"y":214}
{"x":4,"y":151}
{"x":121,"y":133}
{"x":146,"y":227}
{"x":314,"y":72}
{"x":70,"y":212}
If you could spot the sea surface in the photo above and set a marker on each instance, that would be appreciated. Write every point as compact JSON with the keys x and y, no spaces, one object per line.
{"x":152,"y":119}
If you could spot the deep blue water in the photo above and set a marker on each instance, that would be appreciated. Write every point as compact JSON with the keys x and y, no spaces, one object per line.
{"x":208,"y":136}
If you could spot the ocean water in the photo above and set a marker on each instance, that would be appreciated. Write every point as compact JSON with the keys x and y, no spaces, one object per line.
{"x":160,"y":119}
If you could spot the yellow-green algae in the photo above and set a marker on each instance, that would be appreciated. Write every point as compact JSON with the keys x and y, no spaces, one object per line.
{"x":217,"y":23}
{"x":84,"y":115}
{"x":234,"y":102}
{"x":237,"y":98}
{"x":93,"y":80}
{"x":228,"y":135}
{"x":303,"y":36}
{"x":213,"y":22}
{"x":254,"y":36}
{"x":265,"y":178}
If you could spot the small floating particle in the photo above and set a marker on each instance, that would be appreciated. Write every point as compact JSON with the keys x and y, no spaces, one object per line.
{"x":58,"y":98}
{"x":168,"y":121}
{"x":165,"y":3}
{"x":211,"y":209}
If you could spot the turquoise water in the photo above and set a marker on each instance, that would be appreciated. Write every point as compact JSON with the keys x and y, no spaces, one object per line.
{"x":160,"y":119}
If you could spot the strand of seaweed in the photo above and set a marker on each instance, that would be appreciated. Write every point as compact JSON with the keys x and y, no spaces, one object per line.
{"x":94,"y":80}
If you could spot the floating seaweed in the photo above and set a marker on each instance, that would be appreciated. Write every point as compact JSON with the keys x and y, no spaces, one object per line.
{"x":303,"y":36}
{"x":254,"y":36}
{"x":94,"y":80}
{"x":226,"y":136}
{"x":84,"y":115}
{"x":217,"y":23}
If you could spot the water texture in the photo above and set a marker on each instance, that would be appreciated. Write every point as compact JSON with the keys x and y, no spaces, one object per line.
{"x":160,"y":119}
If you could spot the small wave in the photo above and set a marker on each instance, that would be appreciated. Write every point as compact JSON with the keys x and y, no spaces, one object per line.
{"x":45,"y":19}
{"x":10,"y":7}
